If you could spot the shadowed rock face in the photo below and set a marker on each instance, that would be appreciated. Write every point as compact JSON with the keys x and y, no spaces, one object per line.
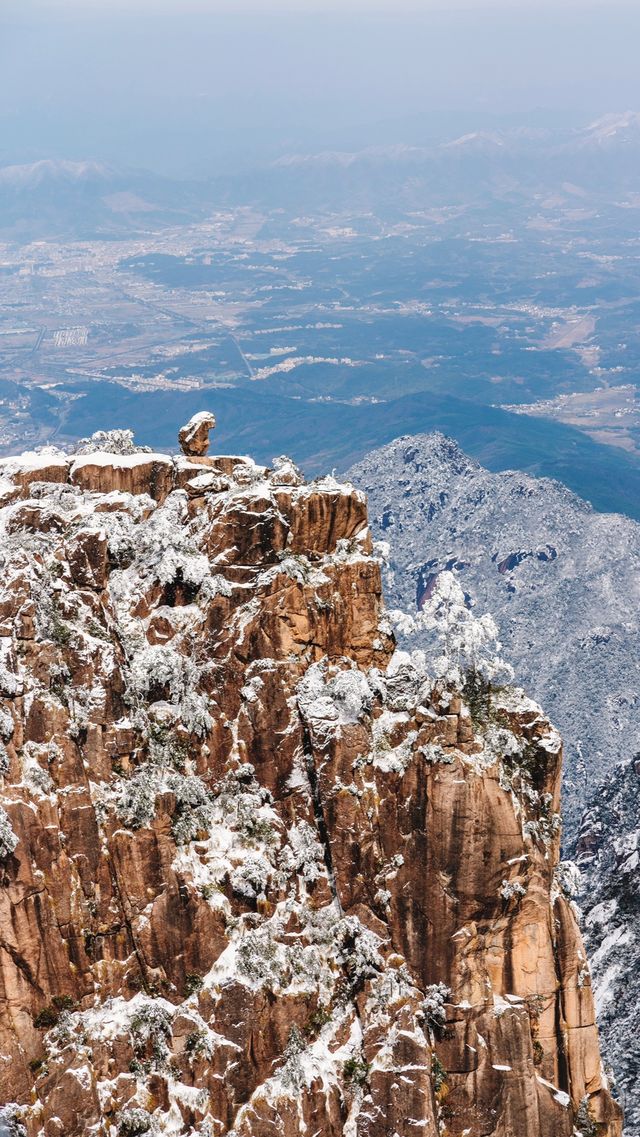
{"x":257,"y":871}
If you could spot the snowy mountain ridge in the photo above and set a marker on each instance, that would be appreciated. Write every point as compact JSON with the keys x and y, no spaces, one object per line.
{"x":562,"y":581}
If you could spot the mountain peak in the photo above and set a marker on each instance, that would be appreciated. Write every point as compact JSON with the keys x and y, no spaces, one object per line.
{"x":54,"y":170}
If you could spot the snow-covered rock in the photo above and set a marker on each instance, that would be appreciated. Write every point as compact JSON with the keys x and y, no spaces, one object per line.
{"x":259,"y":870}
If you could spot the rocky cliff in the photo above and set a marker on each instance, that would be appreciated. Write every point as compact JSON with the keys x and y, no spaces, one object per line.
{"x":259,"y":873}
{"x":564,"y":583}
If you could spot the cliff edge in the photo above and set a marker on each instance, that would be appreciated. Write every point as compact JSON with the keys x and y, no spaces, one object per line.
{"x":258,"y":871}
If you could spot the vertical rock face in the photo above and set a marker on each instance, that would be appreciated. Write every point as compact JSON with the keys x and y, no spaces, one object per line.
{"x":258,"y":872}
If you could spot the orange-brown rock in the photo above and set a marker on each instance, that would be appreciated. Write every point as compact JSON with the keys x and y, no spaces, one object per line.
{"x":194,"y":437}
{"x":258,"y":871}
{"x":152,"y":474}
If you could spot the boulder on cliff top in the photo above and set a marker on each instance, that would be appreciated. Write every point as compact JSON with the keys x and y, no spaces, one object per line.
{"x":194,"y":437}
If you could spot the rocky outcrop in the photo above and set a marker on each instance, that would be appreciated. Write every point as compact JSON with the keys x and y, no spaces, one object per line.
{"x":260,"y":871}
{"x":194,"y":437}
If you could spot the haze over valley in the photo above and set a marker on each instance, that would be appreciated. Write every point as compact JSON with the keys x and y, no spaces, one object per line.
{"x":486,"y":285}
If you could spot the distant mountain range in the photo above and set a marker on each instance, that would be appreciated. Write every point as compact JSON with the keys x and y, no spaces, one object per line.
{"x":47,"y":173}
{"x":57,"y":198}
{"x":61,"y":199}
{"x":610,"y":131}
{"x":600,"y":158}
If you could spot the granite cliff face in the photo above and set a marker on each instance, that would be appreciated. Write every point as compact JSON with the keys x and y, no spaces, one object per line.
{"x":563,"y":582}
{"x":258,"y":871}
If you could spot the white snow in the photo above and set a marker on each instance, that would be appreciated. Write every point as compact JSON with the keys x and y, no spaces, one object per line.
{"x":560,"y":1096}
{"x":119,"y":461}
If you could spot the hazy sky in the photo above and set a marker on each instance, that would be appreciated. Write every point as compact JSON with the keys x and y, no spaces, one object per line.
{"x":271,"y":6}
{"x":186,"y":85}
